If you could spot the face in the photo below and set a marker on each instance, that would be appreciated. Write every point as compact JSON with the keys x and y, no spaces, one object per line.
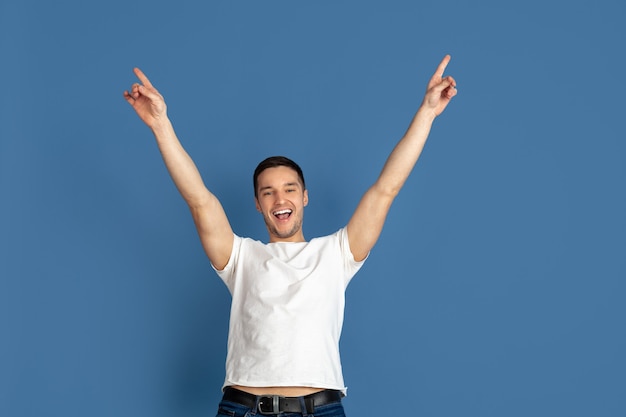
{"x":281,"y":200}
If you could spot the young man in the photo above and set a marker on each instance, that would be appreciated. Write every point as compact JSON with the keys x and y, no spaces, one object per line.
{"x":287,"y":295}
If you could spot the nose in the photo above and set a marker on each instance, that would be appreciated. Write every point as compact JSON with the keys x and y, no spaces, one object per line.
{"x":279,"y":197}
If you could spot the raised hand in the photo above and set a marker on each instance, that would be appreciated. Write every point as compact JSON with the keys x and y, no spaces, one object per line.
{"x":440,"y":89}
{"x":146,"y":100}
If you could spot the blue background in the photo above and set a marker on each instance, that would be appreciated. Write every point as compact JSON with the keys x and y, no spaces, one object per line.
{"x":496,"y":289}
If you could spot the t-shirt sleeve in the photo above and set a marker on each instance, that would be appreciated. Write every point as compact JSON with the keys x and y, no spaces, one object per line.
{"x":228,"y":272}
{"x":351,"y":267}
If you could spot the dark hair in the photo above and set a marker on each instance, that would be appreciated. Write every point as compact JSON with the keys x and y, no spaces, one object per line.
{"x":273,"y":162}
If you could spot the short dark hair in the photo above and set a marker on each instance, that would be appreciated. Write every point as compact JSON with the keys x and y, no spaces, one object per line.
{"x":273,"y":162}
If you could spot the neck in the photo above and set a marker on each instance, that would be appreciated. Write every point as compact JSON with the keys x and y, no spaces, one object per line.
{"x":295,"y":238}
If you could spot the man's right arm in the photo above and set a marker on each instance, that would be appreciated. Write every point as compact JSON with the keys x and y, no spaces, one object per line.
{"x":211,"y":222}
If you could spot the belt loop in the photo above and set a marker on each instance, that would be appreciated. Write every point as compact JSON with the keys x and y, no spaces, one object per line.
{"x":303,"y":407}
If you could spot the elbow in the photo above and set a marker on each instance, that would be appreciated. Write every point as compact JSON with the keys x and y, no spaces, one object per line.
{"x":199,"y":201}
{"x":386,"y":190}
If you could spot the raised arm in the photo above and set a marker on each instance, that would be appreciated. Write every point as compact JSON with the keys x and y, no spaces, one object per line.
{"x":211,"y":222}
{"x":367,"y":221}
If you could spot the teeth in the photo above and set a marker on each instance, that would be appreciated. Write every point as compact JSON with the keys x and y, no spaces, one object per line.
{"x":286,"y":211}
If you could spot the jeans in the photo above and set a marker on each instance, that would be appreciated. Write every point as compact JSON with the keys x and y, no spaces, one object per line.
{"x":228,"y":409}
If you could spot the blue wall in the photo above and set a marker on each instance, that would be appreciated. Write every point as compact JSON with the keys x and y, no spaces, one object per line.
{"x":497,"y":287}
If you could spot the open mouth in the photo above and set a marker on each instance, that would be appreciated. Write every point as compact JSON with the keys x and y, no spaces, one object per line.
{"x":282,"y":214}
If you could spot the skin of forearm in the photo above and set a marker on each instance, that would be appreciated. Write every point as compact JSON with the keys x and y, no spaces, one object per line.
{"x":180,"y":166}
{"x":405,"y":154}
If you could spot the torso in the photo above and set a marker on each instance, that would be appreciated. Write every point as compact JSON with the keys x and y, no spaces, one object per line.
{"x":307,"y":281}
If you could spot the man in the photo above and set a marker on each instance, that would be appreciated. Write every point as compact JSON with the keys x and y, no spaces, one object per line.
{"x":287,"y":295}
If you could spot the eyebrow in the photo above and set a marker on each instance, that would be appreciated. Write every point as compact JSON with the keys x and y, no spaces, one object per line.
{"x":287,"y":184}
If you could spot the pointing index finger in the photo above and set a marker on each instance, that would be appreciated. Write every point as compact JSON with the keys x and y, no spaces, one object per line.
{"x":142,"y":77}
{"x":442,"y":66}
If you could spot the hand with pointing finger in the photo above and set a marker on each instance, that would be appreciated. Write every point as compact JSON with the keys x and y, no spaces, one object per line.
{"x":440,"y":89}
{"x":146,"y":100}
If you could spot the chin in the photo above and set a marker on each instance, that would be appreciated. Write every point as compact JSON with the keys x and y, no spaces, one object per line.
{"x":285,"y":233}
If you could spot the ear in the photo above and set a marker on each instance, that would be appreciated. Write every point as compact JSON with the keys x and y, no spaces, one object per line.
{"x":256,"y":203}
{"x":305,"y":197}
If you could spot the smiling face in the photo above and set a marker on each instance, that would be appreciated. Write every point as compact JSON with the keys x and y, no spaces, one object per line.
{"x":281,"y":199}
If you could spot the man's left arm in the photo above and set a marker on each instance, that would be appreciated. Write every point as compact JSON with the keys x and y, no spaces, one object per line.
{"x":367,"y":222}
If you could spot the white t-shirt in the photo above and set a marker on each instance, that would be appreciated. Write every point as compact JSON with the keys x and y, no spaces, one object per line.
{"x":287,"y":311}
